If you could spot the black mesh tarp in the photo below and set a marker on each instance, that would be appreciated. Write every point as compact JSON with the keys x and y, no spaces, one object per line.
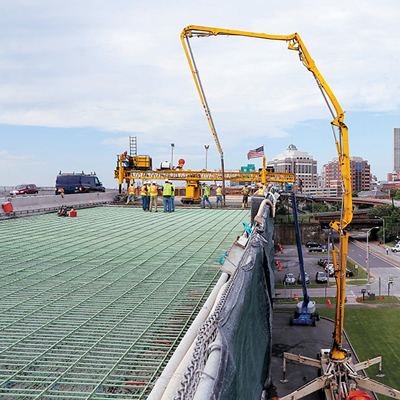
{"x":246,"y":322}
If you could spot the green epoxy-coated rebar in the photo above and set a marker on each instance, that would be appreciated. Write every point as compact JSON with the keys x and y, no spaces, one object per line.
{"x":93,"y":307}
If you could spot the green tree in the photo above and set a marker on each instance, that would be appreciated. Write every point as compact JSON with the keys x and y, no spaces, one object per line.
{"x":391,"y":215}
{"x":316,"y":207}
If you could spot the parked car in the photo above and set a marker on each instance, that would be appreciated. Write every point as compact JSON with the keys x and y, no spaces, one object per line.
{"x":330,"y":269}
{"x":349,"y":272}
{"x":313,"y":244}
{"x":78,"y":183}
{"x":289,"y":279}
{"x":25,"y":189}
{"x":321,"y":277}
{"x":300,"y":278}
{"x":315,"y":250}
{"x":322,"y":261}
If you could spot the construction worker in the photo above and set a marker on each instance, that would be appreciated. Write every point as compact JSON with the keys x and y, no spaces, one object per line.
{"x":153,"y":196}
{"x":245,"y":199}
{"x":131,"y":193}
{"x":167,"y":192}
{"x":206,"y":194}
{"x":144,"y":192}
{"x":261,"y":189}
{"x":172,"y":198}
{"x":219,"y":196}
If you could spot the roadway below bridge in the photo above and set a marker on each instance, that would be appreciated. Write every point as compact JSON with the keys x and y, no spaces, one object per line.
{"x":383,"y":264}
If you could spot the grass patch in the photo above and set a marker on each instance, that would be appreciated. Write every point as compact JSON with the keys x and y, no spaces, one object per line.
{"x":318,"y":300}
{"x":362,"y":274}
{"x":378,"y":300}
{"x":351,"y":281}
{"x":300,"y":287}
{"x":374,"y":332}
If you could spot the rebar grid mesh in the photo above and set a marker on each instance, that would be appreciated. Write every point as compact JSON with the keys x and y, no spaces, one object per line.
{"x":93,"y":307}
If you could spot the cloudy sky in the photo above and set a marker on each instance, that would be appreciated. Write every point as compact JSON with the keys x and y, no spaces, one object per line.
{"x":77,"y":78}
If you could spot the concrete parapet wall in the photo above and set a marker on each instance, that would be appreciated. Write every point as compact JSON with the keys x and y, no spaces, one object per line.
{"x":31,"y":205}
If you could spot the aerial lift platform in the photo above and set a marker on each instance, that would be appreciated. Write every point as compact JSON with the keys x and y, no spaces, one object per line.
{"x":305,"y":313}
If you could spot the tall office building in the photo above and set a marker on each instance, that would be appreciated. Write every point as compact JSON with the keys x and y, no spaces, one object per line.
{"x":299,"y":163}
{"x":396,"y":149}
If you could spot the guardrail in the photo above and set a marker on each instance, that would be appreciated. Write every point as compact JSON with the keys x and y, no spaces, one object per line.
{"x":37,"y":204}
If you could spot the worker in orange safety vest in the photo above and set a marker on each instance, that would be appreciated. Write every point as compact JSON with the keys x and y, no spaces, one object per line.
{"x":131,"y":193}
{"x":153,"y":196}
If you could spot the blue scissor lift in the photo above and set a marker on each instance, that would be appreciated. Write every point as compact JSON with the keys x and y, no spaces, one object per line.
{"x":305,"y":313}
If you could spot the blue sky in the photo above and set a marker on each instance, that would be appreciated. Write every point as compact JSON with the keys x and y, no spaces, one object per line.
{"x":78,"y":78}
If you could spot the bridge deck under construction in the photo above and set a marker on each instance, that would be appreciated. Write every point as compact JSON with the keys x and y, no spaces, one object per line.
{"x":93,"y":307}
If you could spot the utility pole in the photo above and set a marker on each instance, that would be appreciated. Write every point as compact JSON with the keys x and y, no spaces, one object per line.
{"x":206,"y":146}
{"x":368,"y":269}
{"x":172,"y":155}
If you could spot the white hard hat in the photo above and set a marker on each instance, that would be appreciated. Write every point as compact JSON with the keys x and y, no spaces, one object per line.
{"x":166,"y":180}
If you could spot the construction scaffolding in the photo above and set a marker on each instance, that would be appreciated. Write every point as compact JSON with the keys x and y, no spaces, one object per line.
{"x":94,"y":306}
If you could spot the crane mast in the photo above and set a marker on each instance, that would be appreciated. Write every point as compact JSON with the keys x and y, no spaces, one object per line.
{"x":341,"y":142}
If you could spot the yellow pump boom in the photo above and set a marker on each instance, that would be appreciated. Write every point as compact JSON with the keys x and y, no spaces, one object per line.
{"x":342,"y":146}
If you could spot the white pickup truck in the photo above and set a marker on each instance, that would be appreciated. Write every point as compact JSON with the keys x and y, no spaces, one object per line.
{"x":396,"y":248}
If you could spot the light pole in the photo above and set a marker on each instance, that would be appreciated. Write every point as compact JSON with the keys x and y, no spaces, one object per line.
{"x":368,"y":270}
{"x":383,"y":228}
{"x":206,"y":146}
{"x":172,"y":155}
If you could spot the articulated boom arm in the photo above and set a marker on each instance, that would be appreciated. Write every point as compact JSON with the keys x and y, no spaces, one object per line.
{"x":342,"y":146}
{"x":294,"y":43}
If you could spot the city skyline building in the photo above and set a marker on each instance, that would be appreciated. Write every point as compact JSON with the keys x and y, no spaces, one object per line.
{"x":396,"y":149}
{"x":360,"y":174}
{"x":298,"y":162}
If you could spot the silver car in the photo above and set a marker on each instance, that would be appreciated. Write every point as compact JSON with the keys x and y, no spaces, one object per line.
{"x":289,"y":279}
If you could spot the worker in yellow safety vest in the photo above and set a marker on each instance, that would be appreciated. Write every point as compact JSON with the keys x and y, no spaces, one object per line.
{"x":219,"y":195}
{"x":245,"y":199}
{"x":153,"y":196}
{"x":172,"y":200}
{"x":131,"y":193}
{"x":144,"y":192}
{"x":206,"y":194}
{"x":261,"y":189}
{"x":167,"y":192}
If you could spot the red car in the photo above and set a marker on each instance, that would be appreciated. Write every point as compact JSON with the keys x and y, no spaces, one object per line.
{"x":25,"y":189}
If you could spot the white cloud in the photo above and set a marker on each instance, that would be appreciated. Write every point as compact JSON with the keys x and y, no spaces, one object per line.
{"x":120,"y":67}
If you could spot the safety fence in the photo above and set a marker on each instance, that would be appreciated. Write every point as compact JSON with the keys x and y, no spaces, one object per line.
{"x":231,"y":358}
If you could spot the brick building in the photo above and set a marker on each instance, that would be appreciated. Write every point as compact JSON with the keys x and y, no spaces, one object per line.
{"x":360,"y":174}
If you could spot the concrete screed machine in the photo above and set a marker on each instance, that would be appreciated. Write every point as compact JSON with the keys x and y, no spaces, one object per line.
{"x":339,"y":378}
